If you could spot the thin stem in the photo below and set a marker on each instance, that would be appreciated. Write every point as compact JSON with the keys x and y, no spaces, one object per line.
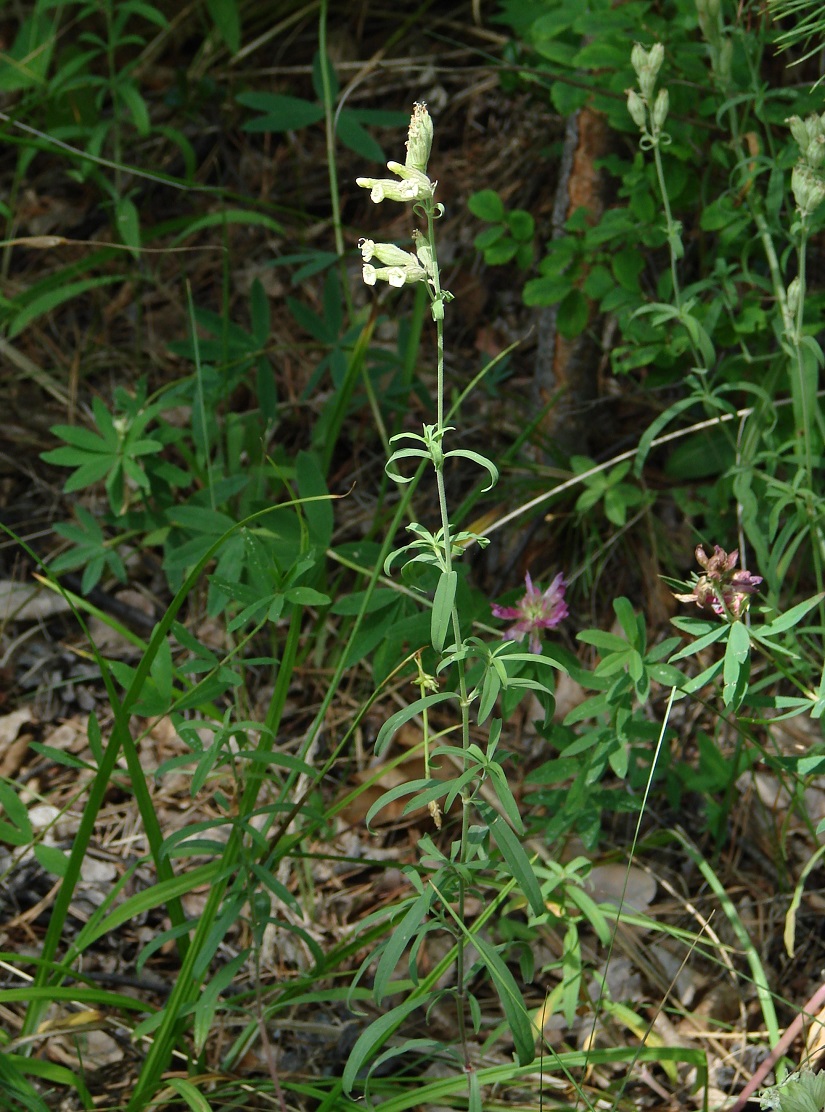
{"x":672,"y":229}
{"x":466,"y":794}
{"x":329,"y":123}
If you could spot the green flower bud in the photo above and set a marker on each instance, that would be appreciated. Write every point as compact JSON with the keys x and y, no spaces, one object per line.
{"x":799,"y":132}
{"x":708,"y":12}
{"x":655,"y":58}
{"x":724,"y":60}
{"x":424,"y":253}
{"x":638,"y":58}
{"x":636,"y":108}
{"x":660,"y":108}
{"x":794,"y":292}
{"x":647,"y":64}
{"x":816,"y":153}
{"x":647,"y":83}
{"x":808,"y":189}
{"x":419,"y":139}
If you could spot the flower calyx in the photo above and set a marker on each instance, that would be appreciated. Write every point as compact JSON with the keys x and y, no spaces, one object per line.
{"x":722,"y":589}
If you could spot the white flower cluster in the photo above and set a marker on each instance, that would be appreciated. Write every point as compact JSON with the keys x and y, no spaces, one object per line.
{"x":400,"y":268}
{"x":647,"y":64}
{"x":807,"y":182}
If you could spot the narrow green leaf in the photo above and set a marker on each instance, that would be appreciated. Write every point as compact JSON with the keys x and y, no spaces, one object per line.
{"x":208,"y":1000}
{"x":398,"y":940}
{"x":518,"y":863}
{"x":789,"y":618}
{"x":442,"y":608}
{"x":374,"y":1036}
{"x":397,"y":720}
{"x":45,"y":302}
{"x":187,"y":1091}
{"x":511,"y":999}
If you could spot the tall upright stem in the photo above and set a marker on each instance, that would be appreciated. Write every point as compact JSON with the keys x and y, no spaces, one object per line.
{"x":466,"y":795}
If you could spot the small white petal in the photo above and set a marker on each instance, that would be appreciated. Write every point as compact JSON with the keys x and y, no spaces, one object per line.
{"x":369,"y":275}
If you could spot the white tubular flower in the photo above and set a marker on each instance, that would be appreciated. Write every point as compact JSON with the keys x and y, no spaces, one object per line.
{"x":414,"y":186}
{"x":386,"y":189}
{"x":414,"y":179}
{"x":390,"y":255}
{"x":396,"y":276}
{"x":367,"y":249}
{"x":419,"y":139}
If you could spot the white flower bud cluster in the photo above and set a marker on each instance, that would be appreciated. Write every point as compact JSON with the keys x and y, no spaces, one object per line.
{"x":712,"y":27}
{"x":414,"y":184}
{"x":640,"y":105}
{"x":807,"y":182}
{"x":401,"y":268}
{"x":647,"y":64}
{"x":419,"y":139}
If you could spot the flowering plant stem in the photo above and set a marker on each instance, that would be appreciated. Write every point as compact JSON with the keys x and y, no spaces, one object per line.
{"x":444,"y":887}
{"x":436,"y":293}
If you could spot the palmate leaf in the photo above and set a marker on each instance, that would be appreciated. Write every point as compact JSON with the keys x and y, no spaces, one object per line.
{"x":801,"y":1092}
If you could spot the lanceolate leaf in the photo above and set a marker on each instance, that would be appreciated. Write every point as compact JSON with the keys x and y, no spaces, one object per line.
{"x":397,"y":944}
{"x":397,"y":720}
{"x":515,"y":1009}
{"x":442,"y":608}
{"x":518,"y":863}
{"x":373,"y":1037}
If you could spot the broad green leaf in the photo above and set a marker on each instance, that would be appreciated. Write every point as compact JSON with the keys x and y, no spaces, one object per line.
{"x":52,"y":859}
{"x":15,"y":829}
{"x":226,"y":16}
{"x":801,"y":1092}
{"x":356,"y":137}
{"x":736,"y":668}
{"x":487,"y":205}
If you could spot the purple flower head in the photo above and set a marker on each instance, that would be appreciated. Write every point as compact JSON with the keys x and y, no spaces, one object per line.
{"x":721,"y":589}
{"x":535,"y":611}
